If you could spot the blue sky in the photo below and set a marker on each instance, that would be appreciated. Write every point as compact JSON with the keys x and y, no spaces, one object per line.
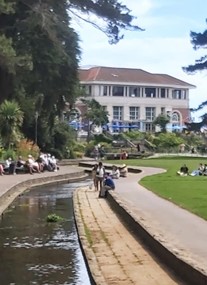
{"x":164,"y":46}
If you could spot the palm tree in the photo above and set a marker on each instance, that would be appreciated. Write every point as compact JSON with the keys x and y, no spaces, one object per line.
{"x":11,"y":118}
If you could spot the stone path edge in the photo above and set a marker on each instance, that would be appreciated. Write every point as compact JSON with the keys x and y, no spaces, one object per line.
{"x":91,"y":262}
{"x":186,"y":271}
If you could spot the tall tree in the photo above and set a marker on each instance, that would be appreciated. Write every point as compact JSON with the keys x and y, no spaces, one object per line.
{"x":198,"y":40}
{"x":161,"y":121}
{"x":7,"y":53}
{"x":96,"y":113}
{"x":116,"y":16}
{"x":39,"y":53}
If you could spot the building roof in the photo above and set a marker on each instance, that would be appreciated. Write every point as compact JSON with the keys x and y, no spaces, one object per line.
{"x":128,"y":75}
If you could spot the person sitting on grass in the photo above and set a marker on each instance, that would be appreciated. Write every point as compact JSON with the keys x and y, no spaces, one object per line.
{"x":199,"y":171}
{"x":205,"y":170}
{"x":183,"y":170}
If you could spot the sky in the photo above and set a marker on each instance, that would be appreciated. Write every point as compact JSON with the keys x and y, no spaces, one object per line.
{"x":163,"y":47}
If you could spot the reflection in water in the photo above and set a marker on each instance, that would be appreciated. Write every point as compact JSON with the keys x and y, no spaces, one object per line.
{"x":33,"y":251}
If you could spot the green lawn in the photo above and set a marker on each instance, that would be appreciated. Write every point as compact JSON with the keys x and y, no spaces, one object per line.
{"x":187,"y":192}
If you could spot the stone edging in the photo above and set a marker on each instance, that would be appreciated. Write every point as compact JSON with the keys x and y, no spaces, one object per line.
{"x":90,"y":258}
{"x":186,"y":271}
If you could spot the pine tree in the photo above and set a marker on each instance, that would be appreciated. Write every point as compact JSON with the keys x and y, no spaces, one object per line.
{"x":198,"y":40}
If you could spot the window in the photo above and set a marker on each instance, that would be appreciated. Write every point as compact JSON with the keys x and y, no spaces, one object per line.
{"x":176,"y":94}
{"x":150,"y":92}
{"x":133,"y":113}
{"x":90,"y":89}
{"x":150,"y":113}
{"x":175,"y":117}
{"x":134,"y":91}
{"x":176,"y":122}
{"x":87,"y":89}
{"x":163,"y":95}
{"x":117,"y":113}
{"x":162,"y":110}
{"x":149,"y":127}
{"x":118,"y":91}
{"x":184,"y":95}
{"x":105,"y":91}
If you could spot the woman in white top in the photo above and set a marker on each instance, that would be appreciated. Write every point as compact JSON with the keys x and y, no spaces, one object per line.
{"x":32,"y":165}
{"x":100,"y":173}
{"x":115,"y":173}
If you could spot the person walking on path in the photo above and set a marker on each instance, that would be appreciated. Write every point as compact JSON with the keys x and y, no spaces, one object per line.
{"x":100,"y":173}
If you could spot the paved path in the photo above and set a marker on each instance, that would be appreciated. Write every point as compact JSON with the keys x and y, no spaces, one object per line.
{"x":185,"y":234}
{"x":115,"y":257}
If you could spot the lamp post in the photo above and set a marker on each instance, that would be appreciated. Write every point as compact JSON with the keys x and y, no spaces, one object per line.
{"x":36,"y":119}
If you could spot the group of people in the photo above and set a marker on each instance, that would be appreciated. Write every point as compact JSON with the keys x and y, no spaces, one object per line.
{"x":104,"y":181}
{"x":31,"y":165}
{"x":201,"y":170}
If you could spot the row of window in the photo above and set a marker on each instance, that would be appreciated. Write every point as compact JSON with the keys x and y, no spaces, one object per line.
{"x":135,"y":91}
{"x":134,"y":113}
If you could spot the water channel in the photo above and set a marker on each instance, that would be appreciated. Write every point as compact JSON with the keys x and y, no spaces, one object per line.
{"x":33,"y":251}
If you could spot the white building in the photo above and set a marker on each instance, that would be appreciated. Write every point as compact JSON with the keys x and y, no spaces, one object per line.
{"x":134,"y":97}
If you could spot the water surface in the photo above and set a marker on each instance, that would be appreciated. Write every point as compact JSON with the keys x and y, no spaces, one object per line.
{"x":33,"y":251}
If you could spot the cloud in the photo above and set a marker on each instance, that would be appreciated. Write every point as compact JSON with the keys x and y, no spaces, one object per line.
{"x":139,"y":8}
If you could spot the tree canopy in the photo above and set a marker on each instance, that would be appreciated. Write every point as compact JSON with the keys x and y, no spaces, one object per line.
{"x":116,"y":16}
{"x":198,"y":40}
{"x":161,"y":121}
{"x":40,"y":54}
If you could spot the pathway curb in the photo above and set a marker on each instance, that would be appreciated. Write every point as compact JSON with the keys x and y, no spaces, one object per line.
{"x":186,"y":271}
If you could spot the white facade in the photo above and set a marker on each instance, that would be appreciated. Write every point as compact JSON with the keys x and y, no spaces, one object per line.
{"x":139,"y":103}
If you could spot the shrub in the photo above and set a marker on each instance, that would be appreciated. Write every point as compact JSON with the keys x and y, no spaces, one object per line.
{"x":89,"y":149}
{"x":9,"y":153}
{"x":79,"y":147}
{"x":56,"y":152}
{"x":78,"y":154}
{"x":1,"y":152}
{"x":25,"y":147}
{"x":102,"y":138}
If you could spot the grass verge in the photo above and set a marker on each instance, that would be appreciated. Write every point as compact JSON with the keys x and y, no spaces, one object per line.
{"x":187,"y":192}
